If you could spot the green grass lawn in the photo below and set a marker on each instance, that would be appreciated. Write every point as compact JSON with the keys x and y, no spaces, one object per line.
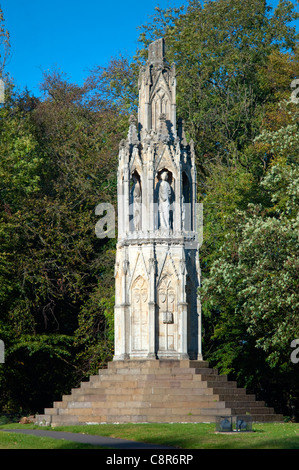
{"x":184,"y":436}
{"x":22,"y":441}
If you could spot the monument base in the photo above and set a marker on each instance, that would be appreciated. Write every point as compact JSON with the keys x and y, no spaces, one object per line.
{"x":155,"y":391}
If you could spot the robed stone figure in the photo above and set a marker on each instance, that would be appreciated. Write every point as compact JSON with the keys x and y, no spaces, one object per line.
{"x":164,"y":201}
{"x":136,"y":200}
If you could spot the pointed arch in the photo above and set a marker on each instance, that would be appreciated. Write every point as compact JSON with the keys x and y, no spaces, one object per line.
{"x":135,"y":212}
{"x":167,"y":314}
{"x":160,"y":100}
{"x":139,"y":269}
{"x":139,"y":317}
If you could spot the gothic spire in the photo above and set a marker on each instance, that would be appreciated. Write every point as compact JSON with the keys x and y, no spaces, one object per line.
{"x":157,"y":92}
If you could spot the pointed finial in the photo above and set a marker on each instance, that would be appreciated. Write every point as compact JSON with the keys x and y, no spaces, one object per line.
{"x":163,"y":132}
{"x":132,"y":119}
{"x":156,"y":51}
{"x":181,"y":131}
{"x":132,"y":134}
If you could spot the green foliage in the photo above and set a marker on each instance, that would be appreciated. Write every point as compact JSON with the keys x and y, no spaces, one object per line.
{"x":4,"y":44}
{"x":116,"y":84}
{"x":21,"y":160}
{"x":235,"y":62}
{"x":59,"y":158}
{"x":96,"y":330}
{"x":250,"y":294}
{"x":221,"y":49}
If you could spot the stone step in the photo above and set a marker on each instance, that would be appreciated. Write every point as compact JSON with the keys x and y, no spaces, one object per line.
{"x":112,"y":384}
{"x":200,"y":389}
{"x":150,"y":407}
{"x":60,"y":404}
{"x":190,"y":374}
{"x":60,"y":420}
{"x":91,"y":390}
{"x":179,"y":400}
{"x":212,"y":377}
{"x":157,"y":364}
{"x":233,"y":397}
{"x":173,"y":371}
{"x":204,"y":371}
{"x":187,"y":375}
{"x":168,"y":413}
{"x":246,"y":400}
{"x":242,"y":403}
{"x":152,"y":364}
{"x":252,"y":410}
{"x":51,"y":411}
{"x":153,"y":382}
{"x":89,"y":397}
{"x":163,"y":383}
{"x":161,"y":419}
{"x":198,"y":364}
{"x":221,"y":384}
{"x":231,"y":390}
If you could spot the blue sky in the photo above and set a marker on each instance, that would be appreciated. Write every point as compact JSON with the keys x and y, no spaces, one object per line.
{"x":72,"y":35}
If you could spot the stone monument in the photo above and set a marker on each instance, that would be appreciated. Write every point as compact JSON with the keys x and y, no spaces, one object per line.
{"x":157,"y":311}
{"x":157,"y":375}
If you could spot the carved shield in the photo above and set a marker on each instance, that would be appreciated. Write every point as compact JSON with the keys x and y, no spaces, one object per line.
{"x":144,"y":295}
{"x":162,"y":296}
{"x":171,"y":297}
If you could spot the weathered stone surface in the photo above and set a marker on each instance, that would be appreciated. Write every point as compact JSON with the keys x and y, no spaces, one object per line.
{"x":158,"y":374}
{"x":157,"y":311}
{"x":156,"y":391}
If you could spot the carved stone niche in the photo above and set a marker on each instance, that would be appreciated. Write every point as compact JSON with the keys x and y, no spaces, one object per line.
{"x":156,"y":51}
{"x":135,"y":203}
{"x":164,"y":196}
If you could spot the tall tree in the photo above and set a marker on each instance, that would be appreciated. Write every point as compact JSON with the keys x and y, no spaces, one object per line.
{"x":235,"y":62}
{"x":4,"y":44}
{"x":221,"y":48}
{"x":59,"y":158}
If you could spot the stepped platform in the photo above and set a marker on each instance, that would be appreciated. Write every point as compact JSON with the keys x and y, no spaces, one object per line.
{"x":155,"y":391}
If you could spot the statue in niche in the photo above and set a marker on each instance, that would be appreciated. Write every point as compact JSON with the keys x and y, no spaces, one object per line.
{"x":164,"y":201}
{"x":136,"y":199}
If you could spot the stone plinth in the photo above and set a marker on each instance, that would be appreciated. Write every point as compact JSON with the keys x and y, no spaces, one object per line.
{"x":157,"y":312}
{"x":156,"y":391}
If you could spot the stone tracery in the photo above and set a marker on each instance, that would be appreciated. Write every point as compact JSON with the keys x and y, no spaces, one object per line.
{"x":156,"y":188}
